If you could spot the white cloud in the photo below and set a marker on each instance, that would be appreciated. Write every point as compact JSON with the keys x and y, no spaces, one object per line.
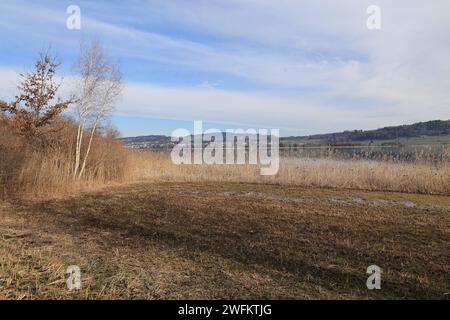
{"x":321,"y":51}
{"x":9,"y":79}
{"x":305,"y":115}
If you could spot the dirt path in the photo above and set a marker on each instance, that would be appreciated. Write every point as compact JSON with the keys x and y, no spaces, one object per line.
{"x":187,"y":240}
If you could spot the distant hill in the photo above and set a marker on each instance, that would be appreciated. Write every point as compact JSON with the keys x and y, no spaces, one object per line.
{"x":148,"y":142}
{"x":149,"y":139}
{"x":431,"y":132}
{"x":436,"y":131}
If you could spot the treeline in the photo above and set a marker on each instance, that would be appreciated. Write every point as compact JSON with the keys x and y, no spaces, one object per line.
{"x":430,"y":128}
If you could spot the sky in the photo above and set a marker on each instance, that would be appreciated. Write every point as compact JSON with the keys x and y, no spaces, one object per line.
{"x":301,"y":66}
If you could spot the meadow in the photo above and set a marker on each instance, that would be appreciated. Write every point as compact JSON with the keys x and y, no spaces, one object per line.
{"x":138,"y":226}
{"x":191,"y":240}
{"x":141,"y":227}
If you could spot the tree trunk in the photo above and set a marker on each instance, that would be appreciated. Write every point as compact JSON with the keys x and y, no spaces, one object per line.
{"x":88,"y":149}
{"x":78,"y":148}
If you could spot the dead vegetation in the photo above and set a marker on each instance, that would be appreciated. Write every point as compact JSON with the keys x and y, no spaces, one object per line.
{"x":200,"y":240}
{"x":429,"y":177}
{"x":197,"y":231}
{"x":27,"y":171}
{"x":42,"y":152}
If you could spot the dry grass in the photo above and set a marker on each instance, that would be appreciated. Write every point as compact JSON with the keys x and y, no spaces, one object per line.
{"x":42,"y":175}
{"x":219,"y":231}
{"x":419,"y":177}
{"x":193,"y":232}
{"x":211,"y":241}
{"x":29,"y":169}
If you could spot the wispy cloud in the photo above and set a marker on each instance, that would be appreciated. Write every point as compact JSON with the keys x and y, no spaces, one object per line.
{"x":305,"y":65}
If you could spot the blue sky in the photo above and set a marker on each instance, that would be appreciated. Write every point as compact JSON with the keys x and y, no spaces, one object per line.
{"x":301,"y":66}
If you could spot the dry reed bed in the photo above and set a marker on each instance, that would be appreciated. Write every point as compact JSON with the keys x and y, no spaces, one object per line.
{"x":28,"y":170}
{"x":423,"y":177}
{"x":50,"y":174}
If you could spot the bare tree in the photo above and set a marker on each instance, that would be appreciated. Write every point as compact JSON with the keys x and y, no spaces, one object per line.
{"x":98,"y":88}
{"x":36,"y":107}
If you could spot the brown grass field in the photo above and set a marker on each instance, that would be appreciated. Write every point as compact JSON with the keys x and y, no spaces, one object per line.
{"x":72,"y":193}
{"x":193,"y":240}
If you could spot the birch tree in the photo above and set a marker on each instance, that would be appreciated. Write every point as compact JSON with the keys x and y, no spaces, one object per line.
{"x":98,"y":88}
